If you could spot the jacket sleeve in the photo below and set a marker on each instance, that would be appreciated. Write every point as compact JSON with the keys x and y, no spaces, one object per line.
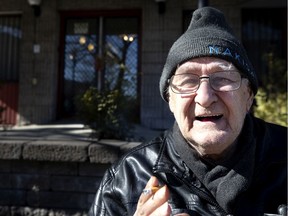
{"x":106,"y":201}
{"x":123,"y":182}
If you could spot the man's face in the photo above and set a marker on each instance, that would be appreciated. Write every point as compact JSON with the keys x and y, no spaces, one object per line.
{"x":210,"y":120}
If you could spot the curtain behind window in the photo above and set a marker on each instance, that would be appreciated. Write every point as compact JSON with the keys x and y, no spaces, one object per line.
{"x":10,"y":36}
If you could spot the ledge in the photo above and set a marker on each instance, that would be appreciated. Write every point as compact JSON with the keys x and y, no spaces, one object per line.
{"x":102,"y":151}
{"x":65,"y":142}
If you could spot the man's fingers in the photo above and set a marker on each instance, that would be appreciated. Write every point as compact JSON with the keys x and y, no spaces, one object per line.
{"x":154,"y":201}
{"x":163,"y":210}
{"x":153,"y":182}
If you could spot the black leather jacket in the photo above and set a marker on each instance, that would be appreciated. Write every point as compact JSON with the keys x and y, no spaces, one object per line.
{"x":123,"y":183}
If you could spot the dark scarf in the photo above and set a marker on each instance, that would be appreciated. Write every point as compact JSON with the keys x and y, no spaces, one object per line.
{"x":225,"y":179}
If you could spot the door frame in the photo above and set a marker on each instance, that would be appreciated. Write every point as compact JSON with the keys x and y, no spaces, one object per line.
{"x":64,"y":15}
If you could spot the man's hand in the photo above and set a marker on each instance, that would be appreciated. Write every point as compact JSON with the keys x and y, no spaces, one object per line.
{"x":153,"y":201}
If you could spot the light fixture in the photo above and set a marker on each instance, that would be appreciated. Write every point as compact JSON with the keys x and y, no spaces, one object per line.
{"x":35,"y":4}
{"x":161,"y":6}
{"x":128,"y":38}
{"x":203,"y":3}
{"x":82,"y":40}
{"x":125,"y":37}
{"x":90,"y":47}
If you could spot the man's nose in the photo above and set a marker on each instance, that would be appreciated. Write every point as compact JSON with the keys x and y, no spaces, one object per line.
{"x":205,"y":95}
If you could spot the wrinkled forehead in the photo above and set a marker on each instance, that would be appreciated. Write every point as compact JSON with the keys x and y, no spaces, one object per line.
{"x":205,"y":63}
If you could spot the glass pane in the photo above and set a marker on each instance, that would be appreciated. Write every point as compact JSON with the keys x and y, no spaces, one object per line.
{"x":105,"y":60}
{"x":80,"y":60}
{"x":121,"y":55}
{"x":10,"y":36}
{"x":264,"y":35}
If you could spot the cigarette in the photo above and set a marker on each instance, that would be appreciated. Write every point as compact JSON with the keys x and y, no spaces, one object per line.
{"x":150,"y":191}
{"x":155,"y":189}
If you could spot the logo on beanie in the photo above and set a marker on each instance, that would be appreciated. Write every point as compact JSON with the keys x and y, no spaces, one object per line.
{"x":225,"y":51}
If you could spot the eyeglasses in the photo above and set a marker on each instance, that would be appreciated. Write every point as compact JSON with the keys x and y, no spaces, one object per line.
{"x":188,"y":83}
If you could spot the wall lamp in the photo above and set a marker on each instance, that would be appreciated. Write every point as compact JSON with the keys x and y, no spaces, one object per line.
{"x":203,"y":3}
{"x":161,"y":6}
{"x":35,"y":4}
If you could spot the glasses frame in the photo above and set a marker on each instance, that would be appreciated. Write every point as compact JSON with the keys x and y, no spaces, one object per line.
{"x":206,"y":77}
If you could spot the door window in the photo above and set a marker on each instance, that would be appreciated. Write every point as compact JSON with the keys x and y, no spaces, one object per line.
{"x":101,"y":52}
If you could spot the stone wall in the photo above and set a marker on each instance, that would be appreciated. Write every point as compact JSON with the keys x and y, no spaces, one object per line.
{"x":53,"y":177}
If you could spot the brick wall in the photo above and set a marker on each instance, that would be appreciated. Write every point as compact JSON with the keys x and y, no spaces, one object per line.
{"x":48,"y":176}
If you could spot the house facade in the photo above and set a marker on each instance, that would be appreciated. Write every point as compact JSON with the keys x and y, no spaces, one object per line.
{"x":52,"y":53}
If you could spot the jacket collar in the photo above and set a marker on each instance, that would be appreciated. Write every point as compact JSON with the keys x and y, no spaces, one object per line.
{"x":177,"y":155}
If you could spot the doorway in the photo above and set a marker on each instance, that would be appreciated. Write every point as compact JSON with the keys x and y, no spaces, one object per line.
{"x":101,"y":50}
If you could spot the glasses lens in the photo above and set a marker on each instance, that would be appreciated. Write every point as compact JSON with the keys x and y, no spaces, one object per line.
{"x":225,"y":81}
{"x":219,"y":81}
{"x":184,"y":83}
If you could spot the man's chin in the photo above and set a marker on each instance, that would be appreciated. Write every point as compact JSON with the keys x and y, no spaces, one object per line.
{"x":209,"y":138}
{"x":219,"y":124}
{"x":209,"y":148}
{"x":210,"y":130}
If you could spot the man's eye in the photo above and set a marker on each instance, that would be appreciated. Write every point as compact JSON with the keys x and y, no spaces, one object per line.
{"x":189,"y":82}
{"x":222,"y":80}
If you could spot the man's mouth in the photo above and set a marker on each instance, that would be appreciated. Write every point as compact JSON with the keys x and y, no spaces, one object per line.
{"x":204,"y":118}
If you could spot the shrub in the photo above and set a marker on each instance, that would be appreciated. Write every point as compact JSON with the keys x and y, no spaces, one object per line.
{"x":104,"y":113}
{"x":272,"y":108}
{"x":271,"y":99}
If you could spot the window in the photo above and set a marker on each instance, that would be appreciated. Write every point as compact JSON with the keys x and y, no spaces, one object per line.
{"x":103,"y":52}
{"x":10,"y":36}
{"x":264,"y":34}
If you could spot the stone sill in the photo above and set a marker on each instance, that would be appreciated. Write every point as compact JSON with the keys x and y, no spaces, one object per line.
{"x":102,"y":151}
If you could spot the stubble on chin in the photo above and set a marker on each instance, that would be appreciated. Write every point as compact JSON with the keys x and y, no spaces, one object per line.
{"x":208,"y":142}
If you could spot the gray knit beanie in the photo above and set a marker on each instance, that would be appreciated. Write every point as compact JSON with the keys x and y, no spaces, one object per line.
{"x":207,"y":35}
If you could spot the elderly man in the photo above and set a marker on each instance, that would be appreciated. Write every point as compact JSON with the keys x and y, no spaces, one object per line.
{"x":217,"y":159}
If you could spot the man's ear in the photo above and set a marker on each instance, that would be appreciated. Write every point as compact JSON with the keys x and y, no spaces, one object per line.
{"x":250,"y":96}
{"x":170,"y":102}
{"x":250,"y":100}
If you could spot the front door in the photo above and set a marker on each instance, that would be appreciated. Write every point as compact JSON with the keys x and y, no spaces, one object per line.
{"x":10,"y":39}
{"x":96,"y":48}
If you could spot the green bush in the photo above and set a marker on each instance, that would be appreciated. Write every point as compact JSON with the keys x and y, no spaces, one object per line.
{"x":271,"y":109}
{"x":104,"y":113}
{"x":271,"y":99}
